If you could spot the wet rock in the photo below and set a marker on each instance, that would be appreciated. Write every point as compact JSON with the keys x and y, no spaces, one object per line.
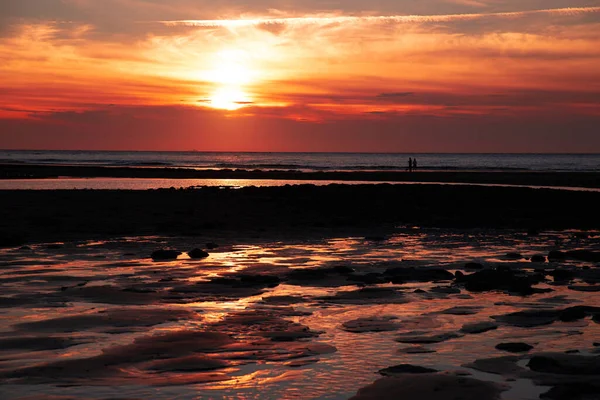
{"x":372,"y":278}
{"x":12,"y":239}
{"x":538,"y":258}
{"x":406,"y":369}
{"x":415,"y":350}
{"x":165,"y":255}
{"x":565,"y":364}
{"x":514,"y":347}
{"x":430,"y":387}
{"x":283,"y":300}
{"x":582,"y":288}
{"x":514,"y":256}
{"x":375,"y":238}
{"x":562,"y":275}
{"x":462,"y":310}
{"x":528,"y":318}
{"x":473,"y":265}
{"x":342,"y":269}
{"x":506,"y":365}
{"x":112,"y":318}
{"x":557,"y":255}
{"x":445,"y":290}
{"x":38,"y":343}
{"x":479,"y":327}
{"x":499,"y":279}
{"x":373,"y":324}
{"x":584,"y":255}
{"x":198,"y":254}
{"x":412,"y":274}
{"x":259,"y":280}
{"x":580,"y":391}
{"x":422,"y":339}
{"x":577,"y":312}
{"x":374,"y":295}
{"x":212,"y":246}
{"x":192,"y":363}
{"x":572,"y":314}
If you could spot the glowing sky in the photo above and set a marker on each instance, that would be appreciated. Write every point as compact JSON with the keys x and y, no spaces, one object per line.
{"x":311,"y":75}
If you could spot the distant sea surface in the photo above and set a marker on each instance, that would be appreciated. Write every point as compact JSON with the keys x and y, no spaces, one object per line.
{"x":309,"y":161}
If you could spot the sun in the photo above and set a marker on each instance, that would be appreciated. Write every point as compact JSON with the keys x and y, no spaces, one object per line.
{"x":229,"y":98}
{"x":230,"y":75}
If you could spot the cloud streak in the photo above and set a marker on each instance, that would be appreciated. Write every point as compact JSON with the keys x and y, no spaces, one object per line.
{"x":381,"y":19}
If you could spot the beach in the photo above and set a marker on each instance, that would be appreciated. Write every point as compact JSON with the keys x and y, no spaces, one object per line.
{"x":300,"y":291}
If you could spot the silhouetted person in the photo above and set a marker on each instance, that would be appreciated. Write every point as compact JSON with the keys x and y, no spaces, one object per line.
{"x":410,"y":164}
{"x":414,"y":164}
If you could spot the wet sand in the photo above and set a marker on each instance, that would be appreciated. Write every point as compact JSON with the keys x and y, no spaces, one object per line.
{"x":279,"y":212}
{"x":525,"y":178}
{"x":420,"y":314}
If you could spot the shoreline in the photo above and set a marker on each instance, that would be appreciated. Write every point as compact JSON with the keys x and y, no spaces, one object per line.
{"x":279,"y":212}
{"x":521,"y":178}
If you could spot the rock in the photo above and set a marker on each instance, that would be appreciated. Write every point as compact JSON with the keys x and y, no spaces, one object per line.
{"x":580,"y":391}
{"x":406,"y":369}
{"x":556,"y":255}
{"x":473,"y":265}
{"x":538,"y":258}
{"x":572,"y":314}
{"x":464,"y":310}
{"x":581,"y":288}
{"x":259,"y":280}
{"x":415,"y":350}
{"x":514,"y":256}
{"x":375,"y":295}
{"x":514,"y":347}
{"x":577,"y":312}
{"x":12,"y":239}
{"x":565,"y":364}
{"x":192,"y":363}
{"x":212,"y":246}
{"x":584,"y":255}
{"x":198,"y":254}
{"x":165,"y":255}
{"x":528,"y":318}
{"x":373,"y":324}
{"x":505,"y":365}
{"x":375,"y":238}
{"x":445,"y":290}
{"x":403,"y":274}
{"x":499,"y":279}
{"x":372,"y":278}
{"x":420,"y":339}
{"x":562,"y":275}
{"x":479,"y":327}
{"x":430,"y":387}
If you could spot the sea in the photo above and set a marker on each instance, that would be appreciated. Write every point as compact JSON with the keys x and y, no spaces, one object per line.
{"x":309,"y":161}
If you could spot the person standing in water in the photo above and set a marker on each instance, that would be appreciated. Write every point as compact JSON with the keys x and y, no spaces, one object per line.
{"x":410,"y":164}
{"x":414,"y":164}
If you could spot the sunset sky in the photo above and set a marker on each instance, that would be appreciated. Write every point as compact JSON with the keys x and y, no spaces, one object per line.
{"x":311,"y":75}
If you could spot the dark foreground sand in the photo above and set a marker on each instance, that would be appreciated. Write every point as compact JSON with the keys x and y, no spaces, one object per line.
{"x":30,"y":216}
{"x":529,"y":178}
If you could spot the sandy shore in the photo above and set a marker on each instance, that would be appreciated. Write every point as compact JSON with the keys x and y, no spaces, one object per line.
{"x":566,"y":179}
{"x":278,"y":212}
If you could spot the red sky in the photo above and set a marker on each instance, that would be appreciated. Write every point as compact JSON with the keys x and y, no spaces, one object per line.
{"x":268,"y":75}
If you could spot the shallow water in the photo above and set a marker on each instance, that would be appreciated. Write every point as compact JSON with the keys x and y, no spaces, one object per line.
{"x":117,"y":278}
{"x":151,"y":183}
